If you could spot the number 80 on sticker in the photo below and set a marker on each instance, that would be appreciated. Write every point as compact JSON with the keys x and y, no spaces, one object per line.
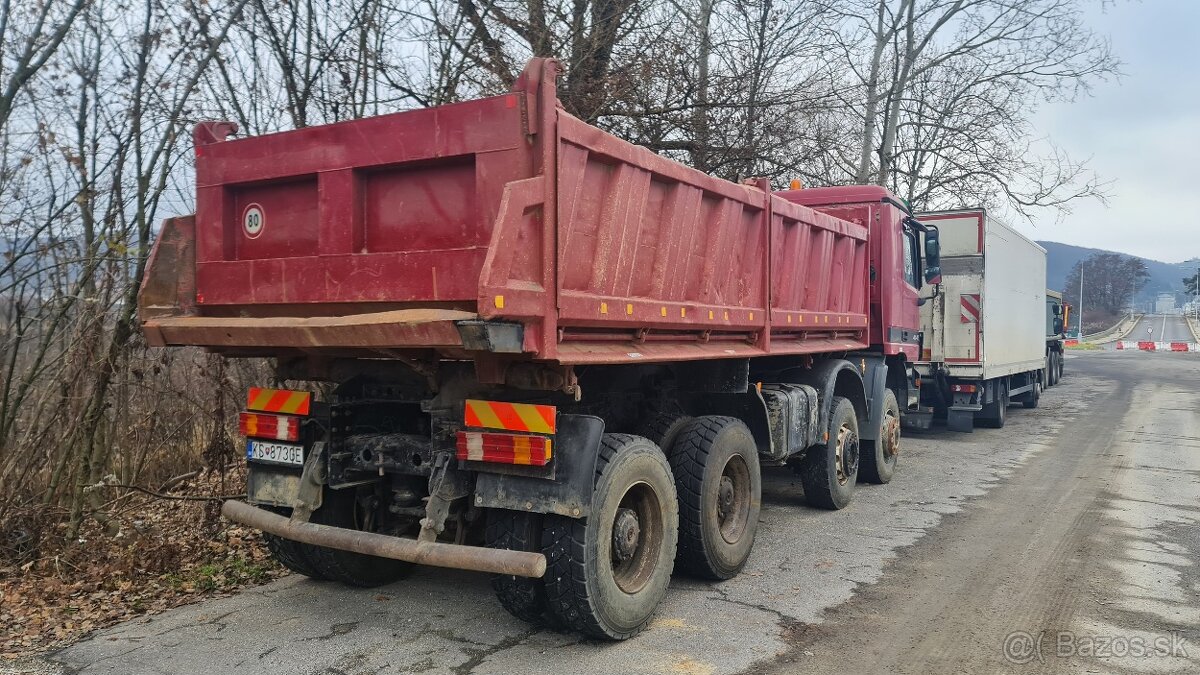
{"x":253,"y":220}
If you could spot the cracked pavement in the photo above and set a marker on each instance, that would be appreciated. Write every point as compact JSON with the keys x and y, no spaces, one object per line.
{"x":805,"y":563}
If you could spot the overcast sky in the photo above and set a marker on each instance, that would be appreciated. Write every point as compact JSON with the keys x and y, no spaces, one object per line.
{"x":1142,"y":132}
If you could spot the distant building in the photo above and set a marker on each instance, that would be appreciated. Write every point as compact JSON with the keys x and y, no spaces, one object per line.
{"x":1165,"y":304}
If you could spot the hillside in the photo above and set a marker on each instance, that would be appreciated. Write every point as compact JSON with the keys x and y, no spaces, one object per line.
{"x":1164,"y":277}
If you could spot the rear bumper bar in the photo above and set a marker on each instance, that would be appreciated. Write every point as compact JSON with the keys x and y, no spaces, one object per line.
{"x":437,"y":554}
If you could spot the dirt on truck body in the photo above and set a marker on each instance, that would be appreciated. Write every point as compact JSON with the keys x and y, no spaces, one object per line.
{"x":555,"y":356}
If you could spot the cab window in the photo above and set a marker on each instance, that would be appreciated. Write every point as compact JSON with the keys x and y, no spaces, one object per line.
{"x":910,"y":258}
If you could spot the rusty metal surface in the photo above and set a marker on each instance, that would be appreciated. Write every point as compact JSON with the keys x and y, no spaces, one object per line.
{"x":398,"y":328}
{"x":437,"y":554}
{"x":169,"y":285}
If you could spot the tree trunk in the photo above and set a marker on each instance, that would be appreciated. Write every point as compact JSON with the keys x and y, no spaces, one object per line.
{"x":701,"y":151}
{"x":871,"y":106}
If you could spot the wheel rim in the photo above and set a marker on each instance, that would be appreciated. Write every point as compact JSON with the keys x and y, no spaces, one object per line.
{"x":846,"y":453}
{"x":636,"y":537}
{"x":891,"y":436}
{"x":733,"y":499}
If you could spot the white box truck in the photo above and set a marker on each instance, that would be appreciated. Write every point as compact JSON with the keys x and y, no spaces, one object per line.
{"x":984,"y":327}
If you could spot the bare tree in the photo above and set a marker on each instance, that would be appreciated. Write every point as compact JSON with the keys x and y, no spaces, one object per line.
{"x":591,"y":37}
{"x":30,"y":34}
{"x":1009,"y":53}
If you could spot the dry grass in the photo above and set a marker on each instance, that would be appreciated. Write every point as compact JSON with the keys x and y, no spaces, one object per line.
{"x":151,"y":555}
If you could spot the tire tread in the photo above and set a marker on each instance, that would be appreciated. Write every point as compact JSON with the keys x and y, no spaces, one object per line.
{"x":522,"y":597}
{"x":564,"y":543}
{"x":347,"y":567}
{"x":688,"y":457}
{"x":814,"y":472}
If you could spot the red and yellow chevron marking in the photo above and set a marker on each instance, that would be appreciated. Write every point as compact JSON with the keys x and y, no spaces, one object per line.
{"x":538,"y":419}
{"x":279,"y":400}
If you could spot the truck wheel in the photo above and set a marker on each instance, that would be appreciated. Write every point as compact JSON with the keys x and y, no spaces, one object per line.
{"x":1058,"y":360}
{"x":662,"y":428}
{"x":995,"y":413}
{"x":291,"y":554}
{"x":1031,"y":399}
{"x":879,"y":460}
{"x":340,"y":508}
{"x":606,"y":574}
{"x":829,"y":470}
{"x":715,"y":462}
{"x":522,"y":597}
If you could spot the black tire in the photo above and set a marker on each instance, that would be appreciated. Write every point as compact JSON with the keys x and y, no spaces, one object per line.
{"x":523,"y":597}
{"x":1030,"y":400}
{"x":830,"y":470}
{"x":292,"y":554}
{"x":1058,"y":376}
{"x":994,"y":414}
{"x":662,"y":428}
{"x":340,"y":508}
{"x":879,"y":460}
{"x":590,"y":592}
{"x":717,"y":478}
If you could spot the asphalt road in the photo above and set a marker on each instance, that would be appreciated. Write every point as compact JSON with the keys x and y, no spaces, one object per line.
{"x":1074,"y":529}
{"x":1161,"y":328}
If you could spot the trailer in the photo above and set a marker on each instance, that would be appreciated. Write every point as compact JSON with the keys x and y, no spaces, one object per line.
{"x":552,"y":355}
{"x":985,"y":332}
{"x":1058,"y":317}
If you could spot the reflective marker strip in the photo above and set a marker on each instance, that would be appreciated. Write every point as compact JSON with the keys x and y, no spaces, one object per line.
{"x":969,"y":308}
{"x":474,"y":448}
{"x":481,"y":446}
{"x":539,"y":419}
{"x":279,"y":400}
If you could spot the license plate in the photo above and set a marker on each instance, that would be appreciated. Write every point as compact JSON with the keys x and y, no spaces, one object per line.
{"x":275,"y":453}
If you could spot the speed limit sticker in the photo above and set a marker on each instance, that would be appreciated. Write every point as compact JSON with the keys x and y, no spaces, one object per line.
{"x":253,"y":220}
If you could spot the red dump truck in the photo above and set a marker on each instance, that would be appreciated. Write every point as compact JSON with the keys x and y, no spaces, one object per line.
{"x":517,"y":344}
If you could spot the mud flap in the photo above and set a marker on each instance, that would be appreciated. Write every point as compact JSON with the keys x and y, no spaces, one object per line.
{"x":921,"y":420}
{"x":569,"y":492}
{"x":960,"y":420}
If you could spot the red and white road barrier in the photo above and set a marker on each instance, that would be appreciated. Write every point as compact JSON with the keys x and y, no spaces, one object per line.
{"x":1148,"y":346}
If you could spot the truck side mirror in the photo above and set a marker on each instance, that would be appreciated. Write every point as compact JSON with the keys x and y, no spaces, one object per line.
{"x":933,"y":256}
{"x":1057,"y":310}
{"x":1058,"y":325}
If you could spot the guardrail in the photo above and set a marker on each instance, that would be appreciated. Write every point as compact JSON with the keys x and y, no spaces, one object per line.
{"x":1193,"y":325}
{"x":1123,"y":327}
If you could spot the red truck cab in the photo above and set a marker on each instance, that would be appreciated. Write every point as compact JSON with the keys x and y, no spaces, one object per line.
{"x":896,"y":259}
